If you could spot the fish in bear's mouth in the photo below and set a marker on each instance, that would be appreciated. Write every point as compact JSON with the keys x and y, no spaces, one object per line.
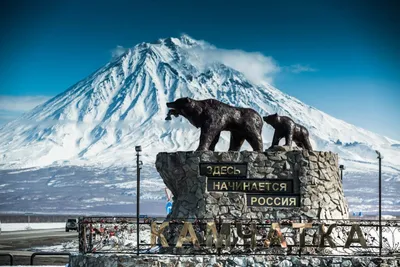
{"x":171,"y":111}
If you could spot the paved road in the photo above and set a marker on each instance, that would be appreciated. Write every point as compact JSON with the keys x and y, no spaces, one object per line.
{"x":35,"y":234}
{"x":18,"y":242}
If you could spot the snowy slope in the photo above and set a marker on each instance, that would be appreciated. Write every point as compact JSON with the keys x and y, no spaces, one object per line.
{"x":99,"y":120}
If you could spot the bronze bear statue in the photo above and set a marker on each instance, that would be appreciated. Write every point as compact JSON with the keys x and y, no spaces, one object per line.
{"x":213,"y":117}
{"x":291,"y":131}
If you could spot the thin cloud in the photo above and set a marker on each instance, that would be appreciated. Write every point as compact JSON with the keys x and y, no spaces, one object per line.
{"x":255,"y":66}
{"x":298,"y":68}
{"x":118,"y":51}
{"x":21,"y":103}
{"x":11,"y":107}
{"x":8,"y":116}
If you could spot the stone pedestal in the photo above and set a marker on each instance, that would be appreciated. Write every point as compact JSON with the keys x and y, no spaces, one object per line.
{"x":315,"y":176}
{"x":128,"y":260}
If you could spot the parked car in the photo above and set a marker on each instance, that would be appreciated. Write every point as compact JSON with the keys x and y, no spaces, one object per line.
{"x":71,"y":224}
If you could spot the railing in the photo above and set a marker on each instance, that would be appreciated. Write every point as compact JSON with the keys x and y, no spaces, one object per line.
{"x":49,"y":254}
{"x":209,"y":236}
{"x":10,"y":256}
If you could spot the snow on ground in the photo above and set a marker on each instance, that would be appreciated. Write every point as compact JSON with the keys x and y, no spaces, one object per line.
{"x":89,"y":191}
{"x":123,"y":240}
{"x":7,"y":227}
{"x":112,"y":191}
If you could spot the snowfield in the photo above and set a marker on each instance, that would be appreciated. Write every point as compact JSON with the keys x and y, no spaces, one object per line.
{"x":78,"y":147}
{"x":8,"y":227}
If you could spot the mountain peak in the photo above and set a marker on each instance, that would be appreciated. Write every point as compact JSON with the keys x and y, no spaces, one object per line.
{"x":186,"y":39}
{"x":183,"y":40}
{"x":99,"y":117}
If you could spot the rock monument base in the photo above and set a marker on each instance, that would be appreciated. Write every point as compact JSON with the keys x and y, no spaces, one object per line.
{"x":111,"y":260}
{"x":314,"y":176}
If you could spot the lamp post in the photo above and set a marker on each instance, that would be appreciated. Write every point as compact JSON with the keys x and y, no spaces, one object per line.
{"x":138,"y":164}
{"x":380,"y":157}
{"x":341,"y":167}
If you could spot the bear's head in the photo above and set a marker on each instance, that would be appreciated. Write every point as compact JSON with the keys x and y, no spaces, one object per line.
{"x":187,"y":107}
{"x":271,"y":119}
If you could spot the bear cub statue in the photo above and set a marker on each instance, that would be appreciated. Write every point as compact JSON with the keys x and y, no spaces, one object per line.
{"x":291,"y":131}
{"x":213,"y":117}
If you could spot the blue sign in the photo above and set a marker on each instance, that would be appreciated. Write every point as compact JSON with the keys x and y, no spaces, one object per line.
{"x":168,"y":207}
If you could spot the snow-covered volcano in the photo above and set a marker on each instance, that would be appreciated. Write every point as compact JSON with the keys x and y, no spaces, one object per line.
{"x":99,"y":120}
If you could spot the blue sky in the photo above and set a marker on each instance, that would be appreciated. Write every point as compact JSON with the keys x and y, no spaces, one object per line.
{"x":341,"y":57}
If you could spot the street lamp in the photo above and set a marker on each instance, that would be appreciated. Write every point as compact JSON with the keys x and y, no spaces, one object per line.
{"x":341,"y":167}
{"x":138,"y":164}
{"x":380,"y":157}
